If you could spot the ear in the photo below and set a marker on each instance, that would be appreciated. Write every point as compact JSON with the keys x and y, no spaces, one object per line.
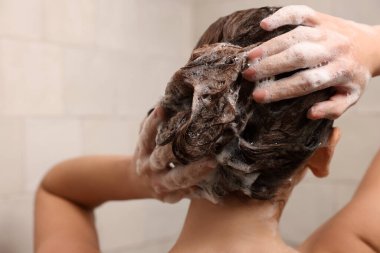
{"x":319,"y":162}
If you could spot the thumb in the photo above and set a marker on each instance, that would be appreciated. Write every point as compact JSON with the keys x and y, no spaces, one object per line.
{"x":150,"y":127}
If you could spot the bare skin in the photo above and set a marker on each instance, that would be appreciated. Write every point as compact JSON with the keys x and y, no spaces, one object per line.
{"x":355,"y":228}
{"x":70,"y":192}
{"x":232,"y":226}
{"x":244,"y":228}
{"x":333,"y":51}
{"x":246,"y":225}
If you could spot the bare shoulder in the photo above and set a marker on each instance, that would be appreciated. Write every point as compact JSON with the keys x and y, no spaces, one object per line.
{"x":356,"y":227}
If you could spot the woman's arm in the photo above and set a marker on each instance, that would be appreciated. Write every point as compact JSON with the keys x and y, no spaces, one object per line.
{"x":68,"y":194}
{"x":356,"y":227}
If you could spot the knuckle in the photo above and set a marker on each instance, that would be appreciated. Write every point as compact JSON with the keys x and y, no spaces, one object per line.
{"x":180,"y":181}
{"x":170,"y":181}
{"x":305,"y":86}
{"x":306,"y":30}
{"x":317,"y":34}
{"x":345,"y":70}
{"x":342,"y":43}
{"x":177,"y":179}
{"x":318,"y":77}
{"x":158,"y":188}
{"x":346,"y":74}
{"x":334,"y":114}
{"x":298,"y":55}
{"x":308,"y":81}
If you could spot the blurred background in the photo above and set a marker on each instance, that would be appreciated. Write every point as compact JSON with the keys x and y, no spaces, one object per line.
{"x":78,"y":76}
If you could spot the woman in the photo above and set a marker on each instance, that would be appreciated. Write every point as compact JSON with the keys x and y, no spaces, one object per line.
{"x":243,"y":222}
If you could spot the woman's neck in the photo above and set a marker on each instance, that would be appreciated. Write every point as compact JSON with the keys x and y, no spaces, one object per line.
{"x":232,"y":226}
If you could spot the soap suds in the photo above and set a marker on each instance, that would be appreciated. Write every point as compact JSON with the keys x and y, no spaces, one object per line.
{"x":290,"y":15}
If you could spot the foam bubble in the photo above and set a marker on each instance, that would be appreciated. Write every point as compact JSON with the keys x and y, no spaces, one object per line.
{"x":317,"y":77}
{"x":294,"y":14}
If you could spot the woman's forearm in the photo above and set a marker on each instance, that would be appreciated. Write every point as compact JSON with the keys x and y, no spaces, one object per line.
{"x":62,"y":226}
{"x":91,"y":181}
{"x":68,"y":194}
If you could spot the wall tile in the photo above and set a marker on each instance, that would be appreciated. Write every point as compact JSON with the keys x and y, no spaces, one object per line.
{"x":70,"y":21}
{"x":11,"y":156}
{"x":358,"y":145}
{"x":49,"y":141}
{"x":110,"y":136}
{"x":310,"y":205}
{"x":147,"y":78}
{"x":31,"y":78}
{"x":365,"y":11}
{"x":150,"y":27}
{"x":369,"y":102}
{"x":127,"y":224}
{"x":344,"y":191}
{"x":90,"y":81}
{"x":117,"y":26}
{"x":16,"y":224}
{"x":21,"y":18}
{"x":165,"y":27}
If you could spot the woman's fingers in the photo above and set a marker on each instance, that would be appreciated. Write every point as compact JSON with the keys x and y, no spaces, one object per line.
{"x":182,"y":177}
{"x":337,"y":104}
{"x":175,"y":196}
{"x":147,"y":136}
{"x":285,"y":41}
{"x":301,"y":83}
{"x":159,"y":159}
{"x":149,"y":131}
{"x":162,"y":158}
{"x":299,"y":56}
{"x":290,"y":15}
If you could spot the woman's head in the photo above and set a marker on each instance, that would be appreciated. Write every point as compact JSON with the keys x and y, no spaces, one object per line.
{"x":211,"y":113}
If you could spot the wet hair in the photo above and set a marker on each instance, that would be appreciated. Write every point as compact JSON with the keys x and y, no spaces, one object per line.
{"x":210,"y":113}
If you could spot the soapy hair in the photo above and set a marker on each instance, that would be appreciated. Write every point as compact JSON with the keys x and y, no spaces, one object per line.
{"x":210,"y":113}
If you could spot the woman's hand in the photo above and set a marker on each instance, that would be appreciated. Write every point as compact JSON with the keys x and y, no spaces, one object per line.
{"x":332,"y":52}
{"x":163,"y":179}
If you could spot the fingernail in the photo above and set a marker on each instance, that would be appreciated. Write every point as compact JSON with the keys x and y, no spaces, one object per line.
{"x":314,"y":114}
{"x":260,"y":95}
{"x":265,"y":24}
{"x":249,"y":74}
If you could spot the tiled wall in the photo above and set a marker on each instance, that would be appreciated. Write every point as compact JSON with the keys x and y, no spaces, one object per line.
{"x":76,"y":78}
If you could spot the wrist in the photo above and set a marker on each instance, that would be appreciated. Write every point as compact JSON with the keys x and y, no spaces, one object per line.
{"x":376,"y":55}
{"x":140,"y":182}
